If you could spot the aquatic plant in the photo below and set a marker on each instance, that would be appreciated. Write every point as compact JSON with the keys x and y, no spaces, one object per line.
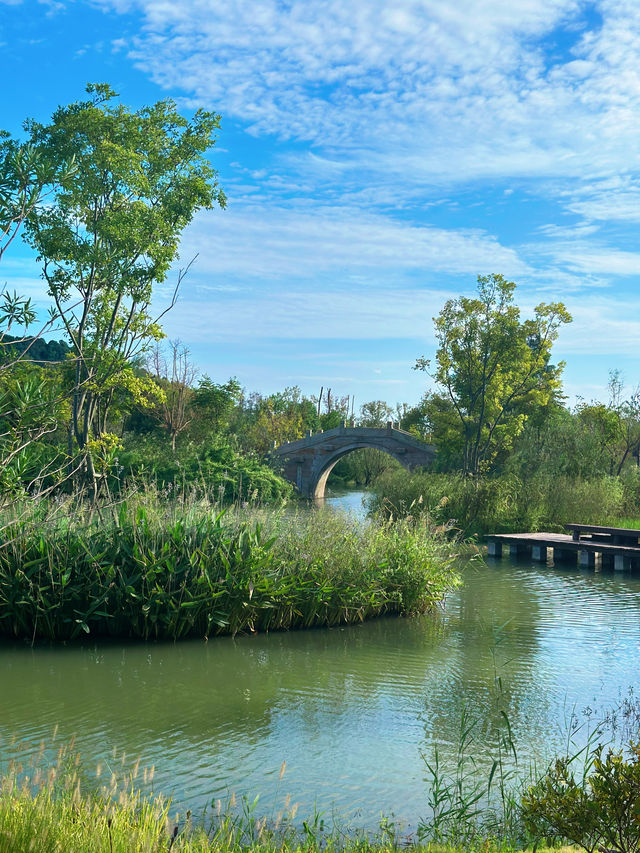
{"x":506,"y":503}
{"x":171,"y":569}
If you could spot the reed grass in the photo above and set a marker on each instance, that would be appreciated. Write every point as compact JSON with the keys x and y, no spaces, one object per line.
{"x":499,"y":504}
{"x":49,"y":810}
{"x":153,"y":568}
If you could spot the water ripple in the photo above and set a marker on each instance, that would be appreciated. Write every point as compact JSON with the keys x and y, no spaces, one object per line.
{"x":350,"y":710}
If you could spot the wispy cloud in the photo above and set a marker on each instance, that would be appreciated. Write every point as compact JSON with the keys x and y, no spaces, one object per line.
{"x":319,"y":241}
{"x":286,"y":313}
{"x":430,"y":91}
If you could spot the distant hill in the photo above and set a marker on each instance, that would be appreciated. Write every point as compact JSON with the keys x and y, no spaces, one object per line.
{"x":40,"y":350}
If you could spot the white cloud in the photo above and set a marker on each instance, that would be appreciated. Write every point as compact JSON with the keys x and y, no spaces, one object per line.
{"x":298,"y":314}
{"x":258,"y":243}
{"x":602,"y":327}
{"x":428,"y":90}
{"x":591,"y":258}
{"x":615,"y":199}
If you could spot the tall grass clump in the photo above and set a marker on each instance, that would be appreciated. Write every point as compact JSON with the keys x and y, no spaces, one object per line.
{"x":55,"y":808}
{"x":500,"y":504}
{"x":166,"y":570}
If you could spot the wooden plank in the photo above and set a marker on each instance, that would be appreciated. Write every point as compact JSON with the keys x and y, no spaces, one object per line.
{"x":599,"y":528}
{"x":563,"y":541}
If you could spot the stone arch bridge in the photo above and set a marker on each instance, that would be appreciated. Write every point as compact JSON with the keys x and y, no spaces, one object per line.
{"x":308,"y":462}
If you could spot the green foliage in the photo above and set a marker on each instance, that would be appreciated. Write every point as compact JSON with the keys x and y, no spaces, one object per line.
{"x":27,"y":176}
{"x":499,"y":504}
{"x":49,"y":809}
{"x":600,"y":812}
{"x":213,"y":404}
{"x":493,"y":368}
{"x":363,"y":467}
{"x":189,"y":570}
{"x":35,"y":349}
{"x":260,"y":422}
{"x":111,"y":232}
{"x":32,"y":404}
{"x":375,"y":413}
{"x":211,"y":465}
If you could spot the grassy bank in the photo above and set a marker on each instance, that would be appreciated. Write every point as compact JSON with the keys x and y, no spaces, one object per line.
{"x":49,"y":811}
{"x":157,"y":569}
{"x":76,"y":823}
{"x":588,"y":795}
{"x":504,"y":504}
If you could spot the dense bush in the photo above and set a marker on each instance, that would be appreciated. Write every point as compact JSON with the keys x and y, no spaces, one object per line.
{"x":214,"y":466}
{"x":500,"y":504}
{"x":601,"y":812}
{"x":173,"y":570}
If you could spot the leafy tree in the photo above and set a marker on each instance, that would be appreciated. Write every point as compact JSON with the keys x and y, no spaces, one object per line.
{"x":35,"y":348}
{"x":375,"y":413}
{"x":110,"y":234}
{"x":27,"y":177}
{"x":363,"y":467}
{"x":336,"y":409}
{"x":29,"y":402}
{"x":493,"y":369}
{"x":32,"y":405}
{"x":213,"y":405}
{"x":275,"y":419}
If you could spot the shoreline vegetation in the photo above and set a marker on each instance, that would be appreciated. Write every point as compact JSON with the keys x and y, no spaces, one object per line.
{"x":51,"y":802}
{"x":170,"y":569}
{"x":53,"y":805}
{"x":507,"y":503}
{"x":63,"y":818}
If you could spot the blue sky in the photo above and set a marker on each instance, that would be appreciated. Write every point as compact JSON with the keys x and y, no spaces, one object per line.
{"x":377,"y":157}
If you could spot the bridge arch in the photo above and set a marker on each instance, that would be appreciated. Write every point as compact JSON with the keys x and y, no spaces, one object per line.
{"x":332,"y":461}
{"x":308,"y":462}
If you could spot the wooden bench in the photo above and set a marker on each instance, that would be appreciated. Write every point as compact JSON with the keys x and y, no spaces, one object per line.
{"x":609,"y":535}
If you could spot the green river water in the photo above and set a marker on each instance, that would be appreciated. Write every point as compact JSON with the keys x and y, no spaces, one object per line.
{"x":351,"y":710}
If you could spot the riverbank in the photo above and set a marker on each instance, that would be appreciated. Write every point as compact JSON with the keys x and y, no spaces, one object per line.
{"x":506,"y":503}
{"x":160,"y":569}
{"x":51,"y":813}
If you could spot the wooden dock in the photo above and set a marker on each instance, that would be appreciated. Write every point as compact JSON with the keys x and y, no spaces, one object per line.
{"x":594,"y":546}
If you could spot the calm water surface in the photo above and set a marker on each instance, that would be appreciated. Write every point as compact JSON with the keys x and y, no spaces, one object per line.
{"x":351,"y":710}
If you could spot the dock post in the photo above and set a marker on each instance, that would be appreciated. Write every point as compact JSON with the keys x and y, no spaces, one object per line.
{"x":607,"y":561}
{"x":494,"y":548}
{"x":563,"y":555}
{"x":517,"y":549}
{"x":621,"y":562}
{"x":590,"y":559}
{"x":539,"y":553}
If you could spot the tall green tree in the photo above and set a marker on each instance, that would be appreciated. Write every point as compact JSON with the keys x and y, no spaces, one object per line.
{"x":30,"y":400}
{"x":493,"y":368}
{"x":109,"y":235}
{"x":27,"y":177}
{"x":375,"y":413}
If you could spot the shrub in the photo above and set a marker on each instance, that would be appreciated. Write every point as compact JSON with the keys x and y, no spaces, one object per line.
{"x":215,"y":467}
{"x":601,"y":812}
{"x":501,"y":504}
